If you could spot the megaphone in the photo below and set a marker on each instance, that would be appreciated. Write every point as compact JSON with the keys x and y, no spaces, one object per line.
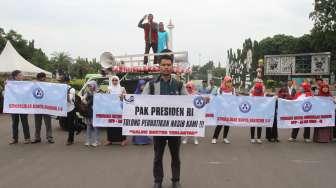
{"x":107,"y":60}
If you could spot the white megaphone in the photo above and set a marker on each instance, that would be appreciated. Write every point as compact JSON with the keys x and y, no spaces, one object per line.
{"x":107,"y":60}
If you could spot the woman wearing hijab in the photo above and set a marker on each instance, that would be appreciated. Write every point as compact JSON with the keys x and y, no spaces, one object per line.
{"x":114,"y":134}
{"x":141,"y":140}
{"x":92,"y":133}
{"x":307,"y":92}
{"x":224,"y":90}
{"x":323,"y":134}
{"x":191,"y":90}
{"x":258,"y":90}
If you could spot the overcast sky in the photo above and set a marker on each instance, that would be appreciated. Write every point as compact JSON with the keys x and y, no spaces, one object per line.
{"x":205,"y":29}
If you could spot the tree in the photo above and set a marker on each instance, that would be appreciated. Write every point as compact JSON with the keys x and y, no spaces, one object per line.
{"x":324,"y":15}
{"x":61,"y":61}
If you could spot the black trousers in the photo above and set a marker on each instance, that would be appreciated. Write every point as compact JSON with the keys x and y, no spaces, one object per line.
{"x":15,"y":126}
{"x":69,"y":122}
{"x":147,"y":48}
{"x":218,"y":129}
{"x":306,"y":133}
{"x":114,"y":134}
{"x":272,"y":132}
{"x":174,"y":144}
{"x":252,"y":130}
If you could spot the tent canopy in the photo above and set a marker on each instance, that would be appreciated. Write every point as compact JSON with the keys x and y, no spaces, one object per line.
{"x":11,"y":60}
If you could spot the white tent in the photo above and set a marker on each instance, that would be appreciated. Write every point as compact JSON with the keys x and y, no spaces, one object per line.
{"x":11,"y":60}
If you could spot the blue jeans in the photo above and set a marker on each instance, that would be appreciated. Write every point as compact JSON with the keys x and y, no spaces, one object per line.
{"x":92,"y":133}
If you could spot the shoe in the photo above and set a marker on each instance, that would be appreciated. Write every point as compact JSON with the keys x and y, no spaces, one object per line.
{"x":87,"y":144}
{"x":69,"y":143}
{"x":291,"y":139}
{"x":259,"y":141}
{"x":307,"y":140}
{"x":157,"y":185}
{"x":13,"y":142}
{"x":27,"y":141}
{"x":124,"y":143}
{"x":51,"y":141}
{"x":176,"y":184}
{"x":196,"y":142}
{"x":36,"y":141}
{"x":253,"y":141}
{"x":226,"y":141}
{"x":185,"y":141}
{"x":276,"y":140}
{"x":214,"y":141}
{"x":95,"y":144}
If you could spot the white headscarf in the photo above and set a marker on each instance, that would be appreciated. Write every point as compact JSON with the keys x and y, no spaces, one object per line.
{"x":115,"y":89}
{"x":93,"y":84}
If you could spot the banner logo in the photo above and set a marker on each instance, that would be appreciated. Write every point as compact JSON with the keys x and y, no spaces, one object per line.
{"x":38,"y":93}
{"x":245,"y":107}
{"x":199,"y":102}
{"x":129,"y":100}
{"x":307,"y":106}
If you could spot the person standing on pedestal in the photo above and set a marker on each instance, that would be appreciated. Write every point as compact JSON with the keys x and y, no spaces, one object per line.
{"x":151,"y":36}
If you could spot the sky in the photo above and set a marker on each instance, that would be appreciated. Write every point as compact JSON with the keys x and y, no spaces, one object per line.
{"x":206,"y":29}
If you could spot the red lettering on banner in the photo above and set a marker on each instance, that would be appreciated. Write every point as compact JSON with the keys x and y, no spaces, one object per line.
{"x":158,"y":132}
{"x":286,"y":118}
{"x":326,"y":116}
{"x":108,"y":116}
{"x":209,"y":115}
{"x":298,"y":117}
{"x":36,"y":106}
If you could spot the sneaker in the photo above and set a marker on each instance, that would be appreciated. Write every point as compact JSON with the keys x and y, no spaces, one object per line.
{"x":95,"y":144}
{"x":185,"y":141}
{"x":307,"y":140}
{"x":69,"y":143}
{"x":259,"y":141}
{"x":196,"y":142}
{"x":27,"y":141}
{"x":36,"y":141}
{"x":291,"y":139}
{"x":87,"y":144}
{"x":253,"y":141}
{"x":13,"y":142}
{"x":51,"y":141}
{"x":226,"y":141}
{"x":214,"y":141}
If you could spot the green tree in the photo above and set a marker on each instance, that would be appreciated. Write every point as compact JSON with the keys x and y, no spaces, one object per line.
{"x":324,"y":15}
{"x":61,"y":61}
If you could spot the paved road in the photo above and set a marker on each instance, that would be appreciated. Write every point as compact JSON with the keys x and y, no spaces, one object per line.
{"x":239,"y":164}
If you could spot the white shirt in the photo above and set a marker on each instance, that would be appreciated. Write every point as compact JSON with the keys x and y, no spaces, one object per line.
{"x":290,"y":90}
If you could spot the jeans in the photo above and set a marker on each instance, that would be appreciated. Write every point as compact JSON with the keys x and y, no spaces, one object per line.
{"x":92,"y":133}
{"x":252,"y":130}
{"x":147,"y":48}
{"x":306,"y":133}
{"x":15,"y":126}
{"x":218,"y":129}
{"x":174,"y":144}
{"x":38,"y":125}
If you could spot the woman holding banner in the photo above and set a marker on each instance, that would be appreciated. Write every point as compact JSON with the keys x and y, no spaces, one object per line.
{"x":92,"y":133}
{"x":141,"y":140}
{"x":225,"y":89}
{"x":18,"y":76}
{"x":306,"y":92}
{"x":258,"y":90}
{"x":191,"y":90}
{"x":323,"y":134}
{"x":114,"y":134}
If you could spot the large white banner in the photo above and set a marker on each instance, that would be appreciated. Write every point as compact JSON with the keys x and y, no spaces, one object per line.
{"x":307,"y":112}
{"x":241,"y":111}
{"x":158,"y":115}
{"x":107,"y":110}
{"x":29,"y":97}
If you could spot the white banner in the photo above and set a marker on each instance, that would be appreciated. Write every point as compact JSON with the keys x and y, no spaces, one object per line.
{"x":29,"y":97}
{"x":107,"y":110}
{"x":307,"y":112}
{"x":241,"y":111}
{"x":155,"y":115}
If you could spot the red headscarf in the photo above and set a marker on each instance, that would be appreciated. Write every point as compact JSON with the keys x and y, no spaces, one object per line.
{"x":307,"y":89}
{"x":325,"y":94}
{"x":191,"y":88}
{"x":258,"y":89}
{"x":223,"y":87}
